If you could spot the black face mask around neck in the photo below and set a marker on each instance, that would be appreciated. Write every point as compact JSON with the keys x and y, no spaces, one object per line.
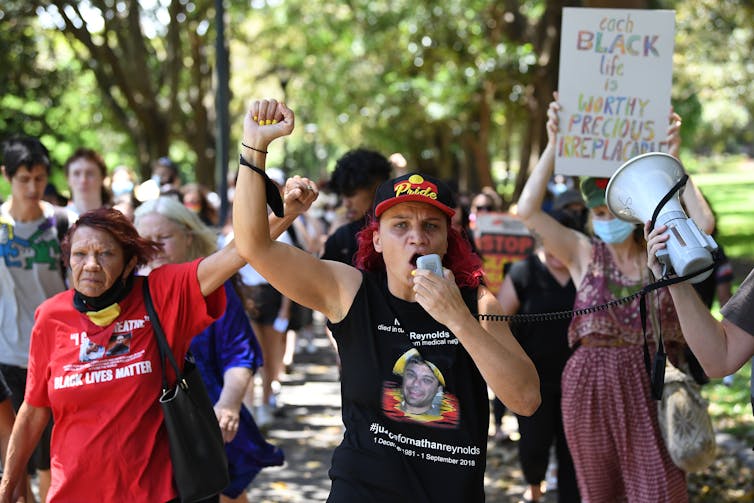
{"x":115,"y":293}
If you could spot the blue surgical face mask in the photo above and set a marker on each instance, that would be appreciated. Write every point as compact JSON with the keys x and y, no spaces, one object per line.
{"x":122,"y":187}
{"x":613,"y":231}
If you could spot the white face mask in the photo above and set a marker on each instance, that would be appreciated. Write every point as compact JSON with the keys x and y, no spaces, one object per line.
{"x":121,"y":187}
{"x":613,"y":231}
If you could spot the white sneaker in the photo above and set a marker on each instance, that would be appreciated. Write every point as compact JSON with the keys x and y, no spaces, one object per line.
{"x":263,"y":416}
{"x":276,"y":388}
{"x":552,"y":478}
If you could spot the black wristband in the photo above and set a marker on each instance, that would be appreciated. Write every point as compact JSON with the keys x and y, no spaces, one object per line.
{"x":271,"y":190}
{"x":254,"y":149}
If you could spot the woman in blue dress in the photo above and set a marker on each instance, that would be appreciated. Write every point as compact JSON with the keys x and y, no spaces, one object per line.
{"x":227,"y":352}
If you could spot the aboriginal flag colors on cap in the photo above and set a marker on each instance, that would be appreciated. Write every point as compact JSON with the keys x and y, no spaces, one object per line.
{"x":413,"y":187}
{"x":413,"y":355}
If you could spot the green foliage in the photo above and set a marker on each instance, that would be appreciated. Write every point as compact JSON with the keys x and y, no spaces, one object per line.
{"x":40,"y":103}
{"x":712,"y":66}
{"x":456,"y":86}
{"x":396,"y":76}
{"x":32,"y":88}
{"x":138,"y":79}
{"x":729,"y":187}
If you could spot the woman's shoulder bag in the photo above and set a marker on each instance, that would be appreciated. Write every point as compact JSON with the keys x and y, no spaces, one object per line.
{"x":200,"y":467}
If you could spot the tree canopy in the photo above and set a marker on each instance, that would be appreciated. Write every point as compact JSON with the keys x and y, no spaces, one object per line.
{"x":459,"y":87}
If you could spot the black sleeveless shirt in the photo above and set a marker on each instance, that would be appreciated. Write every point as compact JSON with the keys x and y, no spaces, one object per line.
{"x":546,"y":341}
{"x":388,"y":454}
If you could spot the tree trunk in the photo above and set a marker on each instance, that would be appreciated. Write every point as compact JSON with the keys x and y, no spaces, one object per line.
{"x":539,"y":92}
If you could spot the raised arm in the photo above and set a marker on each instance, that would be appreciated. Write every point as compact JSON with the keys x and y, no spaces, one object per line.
{"x":214,"y":270}
{"x":328,"y":287}
{"x":721,"y":347}
{"x":698,"y":208}
{"x":570,"y":247}
{"x":693,"y":199}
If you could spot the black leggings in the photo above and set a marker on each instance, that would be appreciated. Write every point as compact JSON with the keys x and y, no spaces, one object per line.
{"x":537,"y":435}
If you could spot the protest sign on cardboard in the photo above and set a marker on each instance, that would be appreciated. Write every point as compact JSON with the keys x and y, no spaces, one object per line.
{"x":616,"y":73}
{"x":501,"y":238}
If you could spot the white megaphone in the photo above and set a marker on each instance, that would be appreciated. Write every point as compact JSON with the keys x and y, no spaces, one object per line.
{"x":633,"y":193}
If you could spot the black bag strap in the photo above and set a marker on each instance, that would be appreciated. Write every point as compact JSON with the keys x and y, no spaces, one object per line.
{"x":656,"y":370}
{"x":162,"y":342}
{"x":667,"y":197}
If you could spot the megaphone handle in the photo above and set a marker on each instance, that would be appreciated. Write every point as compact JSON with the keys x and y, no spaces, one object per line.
{"x":665,"y":269}
{"x":663,"y":257}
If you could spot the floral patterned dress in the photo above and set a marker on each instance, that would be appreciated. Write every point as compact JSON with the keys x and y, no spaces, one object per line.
{"x":609,"y":416}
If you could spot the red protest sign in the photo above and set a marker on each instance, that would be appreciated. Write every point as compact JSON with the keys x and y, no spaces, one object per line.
{"x":501,"y":238}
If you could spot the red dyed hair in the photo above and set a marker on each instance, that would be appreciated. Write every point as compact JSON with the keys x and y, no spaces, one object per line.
{"x":460,"y":259}
{"x":119,"y":227}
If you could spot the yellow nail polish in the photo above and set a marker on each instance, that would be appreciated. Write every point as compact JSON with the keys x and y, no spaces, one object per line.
{"x":274,"y":121}
{"x":256,"y":118}
{"x":267,"y":122}
{"x":261,"y":123}
{"x":413,"y":273}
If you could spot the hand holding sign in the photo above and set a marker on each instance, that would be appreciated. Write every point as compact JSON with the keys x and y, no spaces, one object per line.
{"x":615,"y":82}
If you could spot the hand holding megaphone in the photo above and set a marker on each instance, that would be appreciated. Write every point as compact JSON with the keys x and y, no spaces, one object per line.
{"x":656,"y":243}
{"x":643,"y":189}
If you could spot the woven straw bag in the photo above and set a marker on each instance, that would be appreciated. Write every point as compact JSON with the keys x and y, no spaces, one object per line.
{"x":685,"y":423}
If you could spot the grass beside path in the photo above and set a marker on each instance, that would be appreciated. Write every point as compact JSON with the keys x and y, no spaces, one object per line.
{"x":729,"y":186}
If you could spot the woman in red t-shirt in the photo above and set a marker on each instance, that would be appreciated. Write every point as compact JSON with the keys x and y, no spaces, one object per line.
{"x":94,"y":363}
